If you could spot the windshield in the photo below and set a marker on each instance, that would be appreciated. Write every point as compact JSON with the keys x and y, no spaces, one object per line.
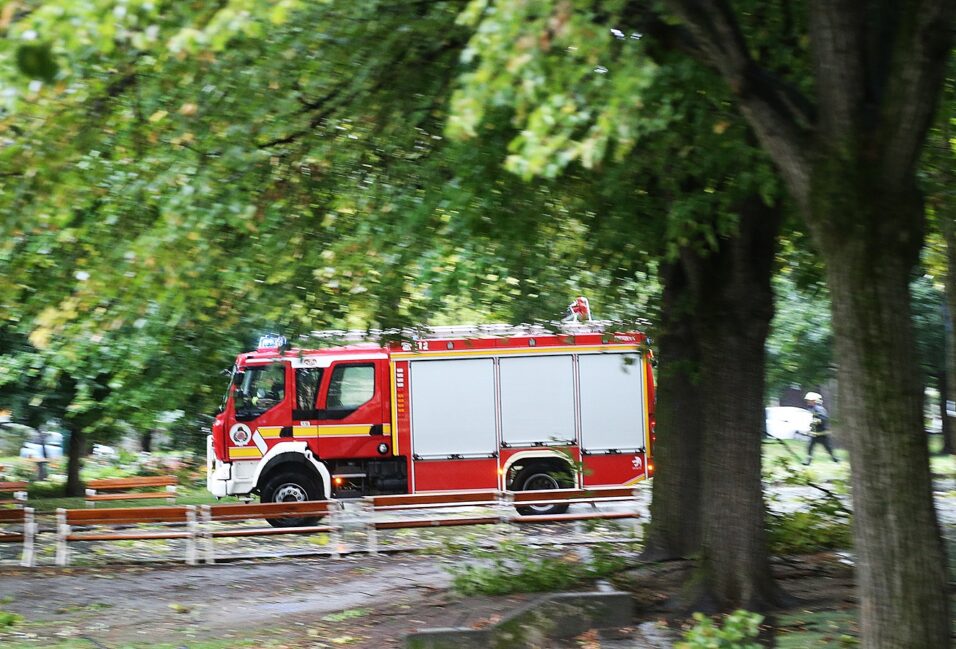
{"x":261,"y":388}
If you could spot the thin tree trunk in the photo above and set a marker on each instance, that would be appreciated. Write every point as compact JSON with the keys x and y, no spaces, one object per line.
{"x":674,"y":531}
{"x":873,"y":243}
{"x":74,"y":486}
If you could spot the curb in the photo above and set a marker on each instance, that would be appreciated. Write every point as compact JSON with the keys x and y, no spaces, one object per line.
{"x":551,"y":617}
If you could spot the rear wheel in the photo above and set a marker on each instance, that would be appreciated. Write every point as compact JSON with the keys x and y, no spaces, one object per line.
{"x":291,"y":486}
{"x":541,"y":478}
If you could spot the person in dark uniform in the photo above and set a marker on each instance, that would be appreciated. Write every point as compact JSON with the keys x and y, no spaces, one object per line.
{"x":819,"y":426}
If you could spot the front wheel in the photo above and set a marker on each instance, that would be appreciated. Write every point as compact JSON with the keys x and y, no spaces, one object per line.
{"x":536,"y":478}
{"x":290,"y":486}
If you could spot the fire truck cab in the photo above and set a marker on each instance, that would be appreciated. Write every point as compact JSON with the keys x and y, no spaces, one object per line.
{"x":454,"y":408}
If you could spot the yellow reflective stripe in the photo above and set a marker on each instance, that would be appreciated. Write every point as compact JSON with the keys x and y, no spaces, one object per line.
{"x":639,"y":478}
{"x":244,"y":452}
{"x":270,"y":432}
{"x":341,"y":431}
{"x":618,"y":347}
{"x":394,"y":388}
{"x":386,"y":429}
{"x":305,"y":431}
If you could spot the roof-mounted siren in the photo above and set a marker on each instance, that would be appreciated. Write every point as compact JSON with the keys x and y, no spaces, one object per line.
{"x":271,"y":342}
{"x":578,"y":311}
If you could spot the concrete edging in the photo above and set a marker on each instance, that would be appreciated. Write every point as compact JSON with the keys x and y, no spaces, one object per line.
{"x":557,"y":616}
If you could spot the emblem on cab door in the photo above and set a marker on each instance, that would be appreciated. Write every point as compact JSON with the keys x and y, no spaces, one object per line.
{"x":240,"y":434}
{"x":637,"y":462}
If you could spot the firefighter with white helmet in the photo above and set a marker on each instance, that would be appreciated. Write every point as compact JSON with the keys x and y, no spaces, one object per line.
{"x":819,"y":426}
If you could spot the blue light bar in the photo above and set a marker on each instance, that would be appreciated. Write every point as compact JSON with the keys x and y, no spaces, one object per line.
{"x":271,"y":341}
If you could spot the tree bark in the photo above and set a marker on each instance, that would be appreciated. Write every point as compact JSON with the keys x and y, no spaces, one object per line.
{"x":674,"y":531}
{"x":871,"y":236}
{"x":949,"y":422}
{"x":946,"y":432}
{"x":74,"y":486}
{"x":850,"y":166}
{"x":735,"y":306}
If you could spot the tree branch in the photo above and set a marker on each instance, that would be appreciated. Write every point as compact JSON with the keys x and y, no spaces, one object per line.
{"x":837,"y":36}
{"x":780,"y":116}
{"x":920,"y":53}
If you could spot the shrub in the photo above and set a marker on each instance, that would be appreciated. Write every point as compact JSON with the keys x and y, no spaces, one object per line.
{"x":740,"y":627}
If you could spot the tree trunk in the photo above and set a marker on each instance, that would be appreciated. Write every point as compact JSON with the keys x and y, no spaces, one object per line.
{"x":870,"y":237}
{"x":74,"y":486}
{"x":674,"y":531}
{"x":735,"y":308}
{"x":949,"y":396}
{"x":946,"y":433}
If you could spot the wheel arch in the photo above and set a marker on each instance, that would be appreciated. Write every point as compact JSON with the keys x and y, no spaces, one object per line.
{"x":295,"y":455}
{"x":545,"y":457}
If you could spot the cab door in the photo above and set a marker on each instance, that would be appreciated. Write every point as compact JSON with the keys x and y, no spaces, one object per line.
{"x":349,"y":421}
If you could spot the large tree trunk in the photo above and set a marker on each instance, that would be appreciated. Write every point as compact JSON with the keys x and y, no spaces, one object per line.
{"x":735,"y":308}
{"x":849,"y":162}
{"x":871,"y":236}
{"x":674,"y":531}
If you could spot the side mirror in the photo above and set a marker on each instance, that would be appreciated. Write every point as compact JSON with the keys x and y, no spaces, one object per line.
{"x":237,"y":378}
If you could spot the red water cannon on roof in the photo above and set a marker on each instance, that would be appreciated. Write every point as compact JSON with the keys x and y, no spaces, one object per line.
{"x":579,"y":310}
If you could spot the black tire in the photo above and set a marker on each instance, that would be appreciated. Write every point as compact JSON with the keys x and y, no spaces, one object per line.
{"x":539,"y":478}
{"x":291,"y":486}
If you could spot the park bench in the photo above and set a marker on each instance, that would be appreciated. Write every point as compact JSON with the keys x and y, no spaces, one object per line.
{"x":522,"y":500}
{"x":428,"y":503}
{"x":19,"y":526}
{"x":124,"y":524}
{"x":13,"y":493}
{"x":131,"y":489}
{"x":220,"y":521}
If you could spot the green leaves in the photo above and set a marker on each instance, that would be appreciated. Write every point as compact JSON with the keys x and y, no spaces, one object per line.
{"x":35,"y":61}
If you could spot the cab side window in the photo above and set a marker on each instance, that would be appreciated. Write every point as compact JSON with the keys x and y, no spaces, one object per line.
{"x":307,"y":382}
{"x":350,"y":387}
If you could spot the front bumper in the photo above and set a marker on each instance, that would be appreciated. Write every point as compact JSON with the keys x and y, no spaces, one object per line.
{"x":228,"y":478}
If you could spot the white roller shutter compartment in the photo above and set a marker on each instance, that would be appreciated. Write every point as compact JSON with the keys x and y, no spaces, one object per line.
{"x":453,"y":407}
{"x":612,"y":402}
{"x":537,"y":399}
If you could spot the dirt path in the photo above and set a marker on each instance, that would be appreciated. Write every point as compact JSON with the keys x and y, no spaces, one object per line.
{"x":319,"y":599}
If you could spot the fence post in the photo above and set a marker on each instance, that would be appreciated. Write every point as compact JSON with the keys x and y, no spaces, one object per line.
{"x":206,"y":534}
{"x":28,"y":559}
{"x":371,"y":532}
{"x":62,"y":531}
{"x":335,"y":523}
{"x":193,"y":530}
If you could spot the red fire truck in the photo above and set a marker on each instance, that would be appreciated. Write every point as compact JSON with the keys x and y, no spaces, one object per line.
{"x":455,"y":408}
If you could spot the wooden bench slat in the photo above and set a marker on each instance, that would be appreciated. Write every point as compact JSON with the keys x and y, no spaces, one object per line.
{"x":131,"y":496}
{"x":129,"y":483}
{"x":271,"y":531}
{"x":11,"y":538}
{"x":12,"y":515}
{"x":436,"y":522}
{"x":127,"y":536}
{"x":572,"y":494}
{"x":13,"y":486}
{"x":429,"y":498}
{"x":240,"y":511}
{"x":557,"y":518}
{"x":161,"y":514}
